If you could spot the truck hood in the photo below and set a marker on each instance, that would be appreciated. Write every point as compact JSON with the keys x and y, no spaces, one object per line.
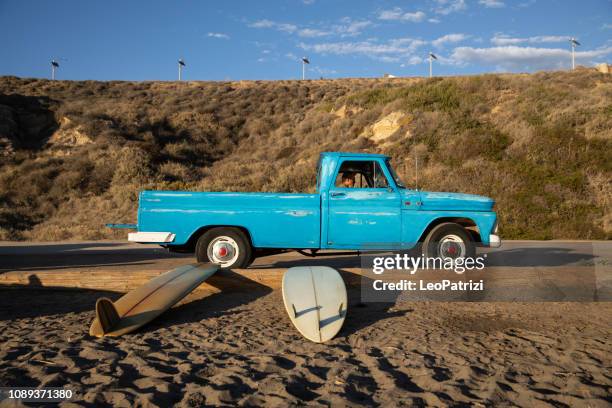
{"x":455,"y":201}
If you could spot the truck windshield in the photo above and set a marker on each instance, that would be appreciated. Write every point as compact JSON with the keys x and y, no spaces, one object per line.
{"x":398,"y":181}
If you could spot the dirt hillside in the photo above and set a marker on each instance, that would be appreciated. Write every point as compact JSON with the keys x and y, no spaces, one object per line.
{"x":73,"y":155}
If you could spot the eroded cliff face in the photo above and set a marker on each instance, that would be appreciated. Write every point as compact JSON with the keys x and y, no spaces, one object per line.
{"x":26,"y":122}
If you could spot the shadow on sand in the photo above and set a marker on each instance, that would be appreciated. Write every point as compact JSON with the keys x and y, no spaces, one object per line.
{"x":235,"y":290}
{"x":363,"y":314}
{"x":31,"y":301}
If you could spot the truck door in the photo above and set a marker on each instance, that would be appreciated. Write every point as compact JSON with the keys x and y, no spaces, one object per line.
{"x":364,"y":207}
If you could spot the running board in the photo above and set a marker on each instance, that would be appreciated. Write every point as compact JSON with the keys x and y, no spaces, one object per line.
{"x":313,"y":253}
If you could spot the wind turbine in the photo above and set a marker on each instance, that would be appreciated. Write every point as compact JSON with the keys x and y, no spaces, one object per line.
{"x":54,"y":66}
{"x":431,"y":58}
{"x":574,"y":43}
{"x":304,"y":62}
{"x":181,"y":64}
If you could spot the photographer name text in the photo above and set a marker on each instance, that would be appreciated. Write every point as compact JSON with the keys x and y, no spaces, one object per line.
{"x":409,"y":285}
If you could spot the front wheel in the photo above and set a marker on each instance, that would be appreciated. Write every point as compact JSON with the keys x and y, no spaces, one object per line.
{"x":449,"y":240}
{"x":224,"y":246}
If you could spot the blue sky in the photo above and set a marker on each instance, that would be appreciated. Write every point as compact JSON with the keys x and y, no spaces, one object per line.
{"x":142,"y":40}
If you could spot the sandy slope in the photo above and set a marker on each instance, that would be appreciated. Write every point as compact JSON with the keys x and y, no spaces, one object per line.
{"x":241,"y":348}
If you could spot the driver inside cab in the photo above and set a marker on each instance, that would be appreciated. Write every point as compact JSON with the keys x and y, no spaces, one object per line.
{"x":348,"y":180}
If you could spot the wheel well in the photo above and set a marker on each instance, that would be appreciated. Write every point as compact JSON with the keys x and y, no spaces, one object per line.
{"x":193,"y":239}
{"x":466,"y":223}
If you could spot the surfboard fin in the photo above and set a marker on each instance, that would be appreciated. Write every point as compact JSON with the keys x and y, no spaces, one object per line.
{"x":107,"y":314}
{"x":294,"y":311}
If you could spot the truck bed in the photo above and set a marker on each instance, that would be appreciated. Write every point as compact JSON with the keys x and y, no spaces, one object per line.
{"x":274,"y":220}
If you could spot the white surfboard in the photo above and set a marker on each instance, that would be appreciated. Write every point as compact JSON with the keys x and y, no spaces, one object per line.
{"x":315,"y":299}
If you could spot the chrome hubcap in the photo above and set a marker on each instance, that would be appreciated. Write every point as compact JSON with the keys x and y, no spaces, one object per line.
{"x":451,"y":246}
{"x":223,"y":251}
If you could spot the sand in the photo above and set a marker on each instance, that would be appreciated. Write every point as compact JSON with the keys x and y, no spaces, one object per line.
{"x":240,"y":348}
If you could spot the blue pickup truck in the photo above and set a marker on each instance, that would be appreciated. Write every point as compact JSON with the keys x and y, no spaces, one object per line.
{"x":360,"y":204}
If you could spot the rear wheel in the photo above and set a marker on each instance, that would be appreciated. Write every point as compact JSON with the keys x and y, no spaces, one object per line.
{"x":449,"y":240}
{"x":224,"y":246}
{"x":253,"y":257}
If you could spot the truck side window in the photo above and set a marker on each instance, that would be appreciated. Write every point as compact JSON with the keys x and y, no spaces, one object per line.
{"x":380,"y":181}
{"x":361,"y":174}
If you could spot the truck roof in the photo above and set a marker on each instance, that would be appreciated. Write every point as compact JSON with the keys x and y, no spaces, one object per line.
{"x":344,"y":154}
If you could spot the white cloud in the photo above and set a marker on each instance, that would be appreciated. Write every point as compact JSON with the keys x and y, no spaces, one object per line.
{"x":514,"y":58}
{"x":288,"y":28}
{"x":263,"y":24}
{"x":308,"y":2}
{"x":606,"y":27}
{"x":351,"y":28}
{"x":449,"y":6}
{"x":449,"y":38}
{"x":414,"y":60}
{"x":346,"y":28}
{"x":388,"y":58}
{"x":389,"y":51}
{"x":322,"y":71}
{"x":312,"y":33}
{"x":500,"y":39}
{"x":434,"y":20}
{"x":219,"y":35}
{"x":399,"y":15}
{"x":548,"y":39}
{"x":394,"y":14}
{"x":414,"y":17}
{"x":492,"y":3}
{"x":596,"y":53}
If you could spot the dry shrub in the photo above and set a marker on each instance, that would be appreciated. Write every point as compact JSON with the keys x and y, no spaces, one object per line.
{"x":132,"y":166}
{"x":174,"y":171}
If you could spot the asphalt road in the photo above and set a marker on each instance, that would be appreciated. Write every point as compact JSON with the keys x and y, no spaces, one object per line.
{"x":565,"y":266}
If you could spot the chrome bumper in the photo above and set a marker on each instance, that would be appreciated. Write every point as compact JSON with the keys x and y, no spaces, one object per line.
{"x":494,"y":241}
{"x":144,"y":237}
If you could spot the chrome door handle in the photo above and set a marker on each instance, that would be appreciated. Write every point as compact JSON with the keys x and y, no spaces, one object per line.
{"x":338,"y":194}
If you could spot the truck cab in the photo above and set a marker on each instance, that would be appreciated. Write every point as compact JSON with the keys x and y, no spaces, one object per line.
{"x":380,"y":212}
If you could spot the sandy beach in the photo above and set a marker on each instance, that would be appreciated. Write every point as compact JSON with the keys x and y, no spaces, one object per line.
{"x":237,"y":346}
{"x":240,"y":348}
